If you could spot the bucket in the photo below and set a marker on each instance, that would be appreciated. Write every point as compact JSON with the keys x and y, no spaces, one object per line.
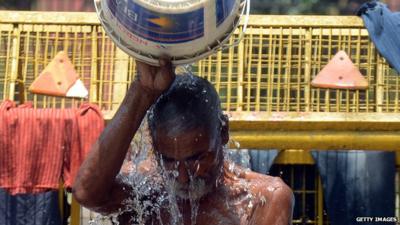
{"x":185,"y":30}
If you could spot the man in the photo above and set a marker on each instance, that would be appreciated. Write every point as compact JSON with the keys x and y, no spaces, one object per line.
{"x":193,"y":183}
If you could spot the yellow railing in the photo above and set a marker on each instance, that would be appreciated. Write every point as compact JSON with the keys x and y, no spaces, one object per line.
{"x":264,"y":82}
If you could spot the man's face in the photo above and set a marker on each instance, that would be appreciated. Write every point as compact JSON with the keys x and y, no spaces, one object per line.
{"x":193,"y":157}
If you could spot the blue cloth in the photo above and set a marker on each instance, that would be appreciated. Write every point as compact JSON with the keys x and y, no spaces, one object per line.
{"x":384,"y":30}
{"x":357,"y":184}
{"x":262,"y":160}
{"x":30,"y":209}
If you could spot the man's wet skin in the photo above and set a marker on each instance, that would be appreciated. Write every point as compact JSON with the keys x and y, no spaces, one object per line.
{"x":198,"y":164}
{"x":189,"y":140}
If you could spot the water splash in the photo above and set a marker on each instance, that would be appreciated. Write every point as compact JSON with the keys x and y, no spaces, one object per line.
{"x":163,"y":184}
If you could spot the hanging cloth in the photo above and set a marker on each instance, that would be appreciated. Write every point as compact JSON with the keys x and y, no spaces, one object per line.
{"x":357,"y":184}
{"x":39,"y":148}
{"x":383,"y":27}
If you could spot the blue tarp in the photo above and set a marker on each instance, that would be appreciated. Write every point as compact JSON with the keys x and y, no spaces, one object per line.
{"x":383,"y":27}
{"x":357,"y":184}
{"x":30,"y":209}
{"x":262,"y":160}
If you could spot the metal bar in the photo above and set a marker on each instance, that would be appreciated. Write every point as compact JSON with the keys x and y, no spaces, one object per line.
{"x":14,"y":61}
{"x":209,"y":61}
{"x":299,"y":72}
{"x":369,"y":75}
{"x":218,"y":72}
{"x":53,"y":53}
{"x":120,"y":77}
{"x":279,"y":75}
{"x":24,"y":73}
{"x":36,"y":64}
{"x":288,"y":56}
{"x":93,"y":68}
{"x":87,"y":18}
{"x":381,"y":118}
{"x":45,"y":62}
{"x":270,"y":78}
{"x":294,"y":156}
{"x":319,"y":46}
{"x":379,"y":85}
{"x":259,"y":74}
{"x":111,"y":82}
{"x":75,"y":212}
{"x":323,"y":140}
{"x":240,"y":74}
{"x":307,"y":69}
{"x":229,"y":84}
{"x":249,"y":85}
{"x":5,"y":72}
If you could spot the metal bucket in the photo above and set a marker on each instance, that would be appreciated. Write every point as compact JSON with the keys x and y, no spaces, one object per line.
{"x":185,"y":30}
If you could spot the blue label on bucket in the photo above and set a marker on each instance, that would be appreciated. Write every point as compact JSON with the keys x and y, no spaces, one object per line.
{"x":158,"y":27}
{"x":223,"y":9}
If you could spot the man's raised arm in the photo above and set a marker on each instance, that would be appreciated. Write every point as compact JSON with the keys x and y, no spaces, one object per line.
{"x":96,"y":186}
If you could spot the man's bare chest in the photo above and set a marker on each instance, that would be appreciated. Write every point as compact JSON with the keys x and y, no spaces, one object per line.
{"x":214,"y":212}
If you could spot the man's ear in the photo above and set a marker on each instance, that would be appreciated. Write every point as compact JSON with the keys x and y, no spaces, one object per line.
{"x":224,"y":129}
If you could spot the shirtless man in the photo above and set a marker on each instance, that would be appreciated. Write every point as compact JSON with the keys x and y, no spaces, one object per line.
{"x":188,"y":132}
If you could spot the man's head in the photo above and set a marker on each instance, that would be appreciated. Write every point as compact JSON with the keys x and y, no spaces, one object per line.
{"x":188,"y":131}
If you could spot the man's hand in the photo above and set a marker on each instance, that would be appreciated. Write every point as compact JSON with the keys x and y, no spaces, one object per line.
{"x":155,"y":80}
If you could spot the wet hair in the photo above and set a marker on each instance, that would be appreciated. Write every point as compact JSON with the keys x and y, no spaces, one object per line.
{"x":191,"y":102}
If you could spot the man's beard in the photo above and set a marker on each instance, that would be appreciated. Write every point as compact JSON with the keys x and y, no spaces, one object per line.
{"x":194,"y":190}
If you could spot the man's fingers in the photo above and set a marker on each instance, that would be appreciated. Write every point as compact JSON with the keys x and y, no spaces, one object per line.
{"x":165,"y":61}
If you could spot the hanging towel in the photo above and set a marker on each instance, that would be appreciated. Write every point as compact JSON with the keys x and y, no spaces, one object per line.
{"x":39,"y":147}
{"x":384,"y":30}
{"x":90,"y":124}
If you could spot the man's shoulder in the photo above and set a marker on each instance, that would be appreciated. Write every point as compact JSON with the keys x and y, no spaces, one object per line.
{"x":271,"y":187}
{"x":275,"y":198}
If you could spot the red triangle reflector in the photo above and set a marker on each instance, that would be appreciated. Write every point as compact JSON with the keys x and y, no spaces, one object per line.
{"x":58,"y":78}
{"x":340,"y":73}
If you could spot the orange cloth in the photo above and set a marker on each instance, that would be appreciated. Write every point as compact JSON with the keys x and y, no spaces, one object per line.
{"x":41,"y":147}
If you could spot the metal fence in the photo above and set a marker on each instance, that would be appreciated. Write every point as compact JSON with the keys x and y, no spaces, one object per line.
{"x":269,"y":71}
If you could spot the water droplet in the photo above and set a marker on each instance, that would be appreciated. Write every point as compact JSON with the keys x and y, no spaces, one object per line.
{"x":271,"y":189}
{"x":237,"y":144}
{"x":231,"y":167}
{"x":263,"y":200}
{"x":250,"y":205}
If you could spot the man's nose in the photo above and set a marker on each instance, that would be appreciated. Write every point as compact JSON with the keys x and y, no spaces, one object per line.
{"x":183,"y":176}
